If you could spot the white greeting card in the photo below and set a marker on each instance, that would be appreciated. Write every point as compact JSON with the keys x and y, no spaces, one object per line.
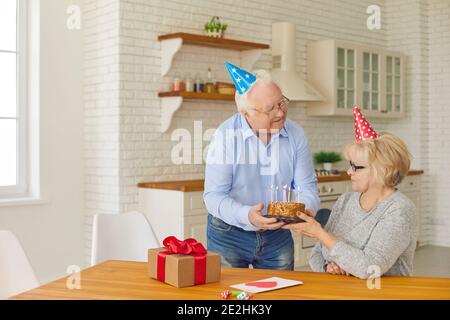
{"x":264,"y":285}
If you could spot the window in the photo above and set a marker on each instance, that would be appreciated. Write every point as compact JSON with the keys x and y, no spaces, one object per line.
{"x":13,"y":99}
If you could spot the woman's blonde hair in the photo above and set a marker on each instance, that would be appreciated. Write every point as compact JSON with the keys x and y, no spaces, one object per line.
{"x":387,"y":157}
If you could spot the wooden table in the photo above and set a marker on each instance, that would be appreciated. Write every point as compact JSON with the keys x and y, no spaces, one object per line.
{"x":129,"y":280}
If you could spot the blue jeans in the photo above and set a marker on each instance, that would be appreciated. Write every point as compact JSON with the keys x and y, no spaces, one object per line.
{"x":270,"y":249}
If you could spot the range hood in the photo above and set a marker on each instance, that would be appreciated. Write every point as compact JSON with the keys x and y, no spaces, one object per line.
{"x":283,"y":65}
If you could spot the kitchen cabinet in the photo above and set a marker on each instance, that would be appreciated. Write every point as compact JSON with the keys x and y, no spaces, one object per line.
{"x":350,"y":74}
{"x":174,"y":213}
{"x":172,"y":43}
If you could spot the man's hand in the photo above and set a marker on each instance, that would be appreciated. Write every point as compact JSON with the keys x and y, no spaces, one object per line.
{"x":335,"y":269}
{"x":310,"y":213}
{"x":256,"y":218}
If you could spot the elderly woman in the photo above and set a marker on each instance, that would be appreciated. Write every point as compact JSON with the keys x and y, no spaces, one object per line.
{"x":372,"y":230}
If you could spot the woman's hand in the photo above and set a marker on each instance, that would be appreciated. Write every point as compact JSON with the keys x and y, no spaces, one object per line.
{"x":335,"y":269}
{"x":310,"y":228}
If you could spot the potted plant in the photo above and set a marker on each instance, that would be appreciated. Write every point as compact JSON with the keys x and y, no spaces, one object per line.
{"x":327,"y":158}
{"x":214,"y":28}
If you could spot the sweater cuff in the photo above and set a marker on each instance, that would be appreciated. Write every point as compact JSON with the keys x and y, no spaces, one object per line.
{"x":336,"y":250}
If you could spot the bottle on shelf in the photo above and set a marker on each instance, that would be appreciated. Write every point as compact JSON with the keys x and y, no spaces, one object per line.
{"x":209,"y":86}
{"x":189,"y":83}
{"x":209,"y":74}
{"x":182,"y":85}
{"x":198,"y":87}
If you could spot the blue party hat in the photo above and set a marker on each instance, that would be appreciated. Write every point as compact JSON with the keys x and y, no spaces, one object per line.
{"x":242,"y":79}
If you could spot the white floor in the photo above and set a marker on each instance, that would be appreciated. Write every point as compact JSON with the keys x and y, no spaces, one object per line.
{"x":432,"y":261}
{"x":429,"y":261}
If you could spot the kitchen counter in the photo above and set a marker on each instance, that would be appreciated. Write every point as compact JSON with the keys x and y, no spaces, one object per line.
{"x":198,"y":185}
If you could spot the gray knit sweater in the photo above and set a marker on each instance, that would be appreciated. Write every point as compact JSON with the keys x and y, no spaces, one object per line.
{"x":385,"y":236}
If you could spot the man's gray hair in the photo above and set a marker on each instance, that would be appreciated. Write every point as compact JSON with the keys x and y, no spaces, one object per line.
{"x":262,"y":76}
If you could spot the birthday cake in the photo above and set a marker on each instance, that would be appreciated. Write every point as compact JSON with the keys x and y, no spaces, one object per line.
{"x":285,"y":211}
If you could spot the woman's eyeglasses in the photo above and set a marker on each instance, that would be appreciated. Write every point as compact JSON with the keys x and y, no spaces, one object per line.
{"x":355,"y":167}
{"x":283,"y":105}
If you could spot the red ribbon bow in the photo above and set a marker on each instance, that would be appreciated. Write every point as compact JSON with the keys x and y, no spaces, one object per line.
{"x":187,"y":247}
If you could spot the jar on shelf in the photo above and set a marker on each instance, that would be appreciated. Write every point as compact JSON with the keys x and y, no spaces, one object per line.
{"x":189,"y":83}
{"x":198,"y":87}
{"x":209,"y":87}
{"x":176,"y":84}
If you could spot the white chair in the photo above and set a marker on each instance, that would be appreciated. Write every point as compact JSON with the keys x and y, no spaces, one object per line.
{"x":16,"y":273}
{"x":126,"y":236}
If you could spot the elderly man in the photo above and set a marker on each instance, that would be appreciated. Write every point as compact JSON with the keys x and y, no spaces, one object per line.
{"x":254,"y":150}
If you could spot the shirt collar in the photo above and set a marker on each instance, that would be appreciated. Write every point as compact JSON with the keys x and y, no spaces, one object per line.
{"x":248,"y":132}
{"x":283,"y":131}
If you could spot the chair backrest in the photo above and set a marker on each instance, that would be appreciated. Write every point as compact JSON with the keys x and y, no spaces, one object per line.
{"x":125,"y":236}
{"x":322,"y":216}
{"x":16,"y":273}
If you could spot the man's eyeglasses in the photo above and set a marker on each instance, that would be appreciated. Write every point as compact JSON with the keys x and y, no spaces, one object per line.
{"x":355,"y":167}
{"x":283,"y":105}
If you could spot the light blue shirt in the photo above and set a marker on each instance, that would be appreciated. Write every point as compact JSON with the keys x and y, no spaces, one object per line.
{"x":240,"y":170}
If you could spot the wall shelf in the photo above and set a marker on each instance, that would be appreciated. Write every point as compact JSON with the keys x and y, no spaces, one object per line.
{"x":224,"y":43}
{"x":171,"y":102}
{"x":197,"y":95}
{"x":171,"y":44}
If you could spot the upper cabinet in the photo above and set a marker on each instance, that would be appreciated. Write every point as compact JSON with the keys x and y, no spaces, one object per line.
{"x":350,"y":74}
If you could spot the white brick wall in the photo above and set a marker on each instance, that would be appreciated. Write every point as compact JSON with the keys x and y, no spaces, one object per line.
{"x":438,"y":116}
{"x":101,"y":96}
{"x":407,"y":31}
{"x":123,"y":78}
{"x":421,"y":29}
